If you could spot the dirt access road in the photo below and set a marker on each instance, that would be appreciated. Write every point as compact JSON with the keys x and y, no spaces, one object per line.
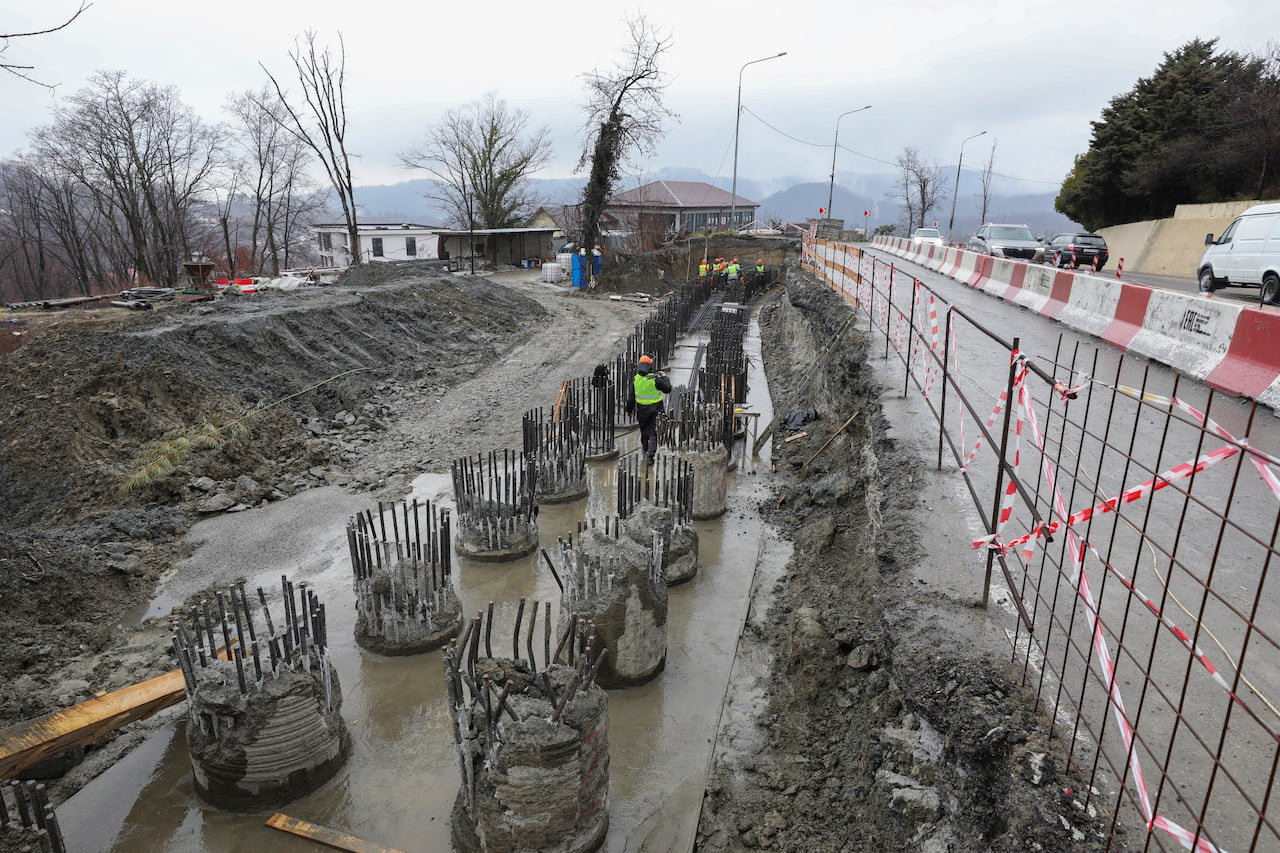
{"x":870,"y":727}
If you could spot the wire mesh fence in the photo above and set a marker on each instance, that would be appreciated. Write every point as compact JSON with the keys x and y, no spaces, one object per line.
{"x":1130,"y":521}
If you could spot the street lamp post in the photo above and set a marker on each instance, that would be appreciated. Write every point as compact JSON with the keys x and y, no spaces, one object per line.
{"x":834,"y":145}
{"x":951,"y":222}
{"x":737,"y":120}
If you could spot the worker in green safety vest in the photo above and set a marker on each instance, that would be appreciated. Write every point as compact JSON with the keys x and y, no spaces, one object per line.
{"x":734,"y":270}
{"x":645,"y":402}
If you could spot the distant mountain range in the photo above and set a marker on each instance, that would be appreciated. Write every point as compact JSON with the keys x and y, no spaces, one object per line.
{"x":792,"y":200}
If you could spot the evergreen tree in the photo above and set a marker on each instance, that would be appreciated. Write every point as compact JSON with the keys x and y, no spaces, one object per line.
{"x":1168,"y":141}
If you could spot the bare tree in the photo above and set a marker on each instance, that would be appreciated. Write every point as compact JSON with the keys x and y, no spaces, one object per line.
{"x":322,"y":124}
{"x":625,"y":116}
{"x":274,"y":185}
{"x":904,"y":191}
{"x":143,"y":160}
{"x":21,"y":70}
{"x":919,"y":188}
{"x":987,"y":171}
{"x":485,"y":153}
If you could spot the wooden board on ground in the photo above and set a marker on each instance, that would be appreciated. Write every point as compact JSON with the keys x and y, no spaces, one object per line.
{"x":326,"y":836}
{"x":26,"y":744}
{"x":763,"y":437}
{"x":792,"y":438}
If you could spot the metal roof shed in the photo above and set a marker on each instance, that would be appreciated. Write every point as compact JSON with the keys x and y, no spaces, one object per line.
{"x":499,"y":246}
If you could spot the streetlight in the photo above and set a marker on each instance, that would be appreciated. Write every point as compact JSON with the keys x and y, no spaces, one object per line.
{"x":737,"y":120}
{"x":956,"y":192}
{"x":831,"y":192}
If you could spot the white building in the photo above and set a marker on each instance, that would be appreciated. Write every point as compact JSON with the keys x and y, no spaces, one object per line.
{"x":379,"y":241}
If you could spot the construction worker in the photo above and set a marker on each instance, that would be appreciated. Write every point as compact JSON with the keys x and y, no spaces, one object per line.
{"x":702,"y":270}
{"x":718,"y":281}
{"x":760,"y":270}
{"x":734,"y":271}
{"x":645,"y":401}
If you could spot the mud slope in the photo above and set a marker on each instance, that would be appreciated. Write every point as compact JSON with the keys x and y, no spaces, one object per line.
{"x":82,"y":404}
{"x":883,"y":729}
{"x":80,"y":401}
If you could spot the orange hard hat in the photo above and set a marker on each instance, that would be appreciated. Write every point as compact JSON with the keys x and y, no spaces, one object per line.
{"x":759,"y":261}
{"x":644,"y":359}
{"x":735,"y":260}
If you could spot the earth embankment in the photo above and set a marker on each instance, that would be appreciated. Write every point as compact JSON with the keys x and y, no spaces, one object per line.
{"x":885,"y":728}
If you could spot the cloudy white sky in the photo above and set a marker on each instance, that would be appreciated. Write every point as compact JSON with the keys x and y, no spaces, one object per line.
{"x":1032,"y":74}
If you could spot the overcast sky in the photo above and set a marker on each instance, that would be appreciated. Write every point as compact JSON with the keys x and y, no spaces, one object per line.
{"x":1032,"y":74}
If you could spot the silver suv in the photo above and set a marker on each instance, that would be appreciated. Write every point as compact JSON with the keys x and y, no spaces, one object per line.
{"x":1007,"y":241}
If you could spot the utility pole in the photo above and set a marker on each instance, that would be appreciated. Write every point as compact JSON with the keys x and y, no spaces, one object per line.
{"x":834,"y":145}
{"x":737,"y":120}
{"x":956,"y":191}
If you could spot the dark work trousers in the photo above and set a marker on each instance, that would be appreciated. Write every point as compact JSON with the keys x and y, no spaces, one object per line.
{"x":647,"y":417}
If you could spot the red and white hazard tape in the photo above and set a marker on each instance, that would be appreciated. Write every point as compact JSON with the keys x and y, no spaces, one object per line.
{"x":1264,"y":463}
{"x":995,"y":413}
{"x":1102,"y":651}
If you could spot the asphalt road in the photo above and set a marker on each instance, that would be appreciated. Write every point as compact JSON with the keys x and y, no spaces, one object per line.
{"x":1245,"y":295}
{"x":1207,"y":573}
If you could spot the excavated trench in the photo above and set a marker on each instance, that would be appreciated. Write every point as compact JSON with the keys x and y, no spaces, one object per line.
{"x":857,"y":714}
{"x":862,"y":715}
{"x":400,"y":782}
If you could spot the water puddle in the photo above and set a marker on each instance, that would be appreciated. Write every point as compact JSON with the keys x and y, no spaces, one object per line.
{"x":399,"y":785}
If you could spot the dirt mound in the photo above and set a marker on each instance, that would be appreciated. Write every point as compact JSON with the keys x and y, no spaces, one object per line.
{"x":233,"y":379}
{"x":205,"y":408}
{"x":883,"y":731}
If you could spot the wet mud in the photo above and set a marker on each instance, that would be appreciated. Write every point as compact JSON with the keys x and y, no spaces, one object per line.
{"x":869,"y":721}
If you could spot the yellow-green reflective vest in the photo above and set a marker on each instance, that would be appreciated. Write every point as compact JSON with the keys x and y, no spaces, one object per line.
{"x":647,"y":392}
{"x":734,"y":269}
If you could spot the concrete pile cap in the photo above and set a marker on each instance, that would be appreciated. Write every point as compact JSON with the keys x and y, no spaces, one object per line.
{"x":646,"y":518}
{"x":629,"y":555}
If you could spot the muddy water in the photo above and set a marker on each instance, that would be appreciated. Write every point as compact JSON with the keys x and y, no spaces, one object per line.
{"x":399,"y":785}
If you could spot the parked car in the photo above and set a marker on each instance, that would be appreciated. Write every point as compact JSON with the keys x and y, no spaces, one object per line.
{"x":927,"y":235}
{"x":1247,"y":254}
{"x":1077,"y":249}
{"x":1007,"y":241}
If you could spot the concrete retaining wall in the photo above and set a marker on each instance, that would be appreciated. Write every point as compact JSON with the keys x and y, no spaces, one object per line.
{"x":1171,"y":246}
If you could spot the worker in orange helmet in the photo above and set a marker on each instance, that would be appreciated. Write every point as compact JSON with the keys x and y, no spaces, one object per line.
{"x":645,"y":401}
{"x":734,"y":272}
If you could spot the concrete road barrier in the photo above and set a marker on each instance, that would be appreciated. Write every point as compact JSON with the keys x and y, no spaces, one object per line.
{"x":1229,"y":346}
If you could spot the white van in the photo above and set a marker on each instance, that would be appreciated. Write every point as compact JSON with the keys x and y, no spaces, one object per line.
{"x":1247,"y":254}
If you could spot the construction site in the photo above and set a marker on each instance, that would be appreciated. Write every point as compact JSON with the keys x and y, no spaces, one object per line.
{"x":382,"y":566}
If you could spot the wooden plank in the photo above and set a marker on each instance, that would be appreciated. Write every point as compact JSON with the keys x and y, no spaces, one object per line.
{"x":792,"y":438}
{"x":829,"y":440}
{"x":564,"y":389}
{"x":25,"y":744}
{"x":324,"y":835}
{"x":763,"y":437}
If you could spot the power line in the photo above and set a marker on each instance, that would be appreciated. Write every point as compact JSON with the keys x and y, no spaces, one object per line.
{"x":781,"y":132}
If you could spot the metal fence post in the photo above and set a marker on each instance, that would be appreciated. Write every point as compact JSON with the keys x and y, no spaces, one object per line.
{"x":946,"y":360}
{"x":911,"y":333}
{"x":888,"y":314}
{"x":1000,"y":463}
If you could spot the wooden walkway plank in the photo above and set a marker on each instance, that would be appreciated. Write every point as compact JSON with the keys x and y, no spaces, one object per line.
{"x":324,"y":835}
{"x":25,"y":744}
